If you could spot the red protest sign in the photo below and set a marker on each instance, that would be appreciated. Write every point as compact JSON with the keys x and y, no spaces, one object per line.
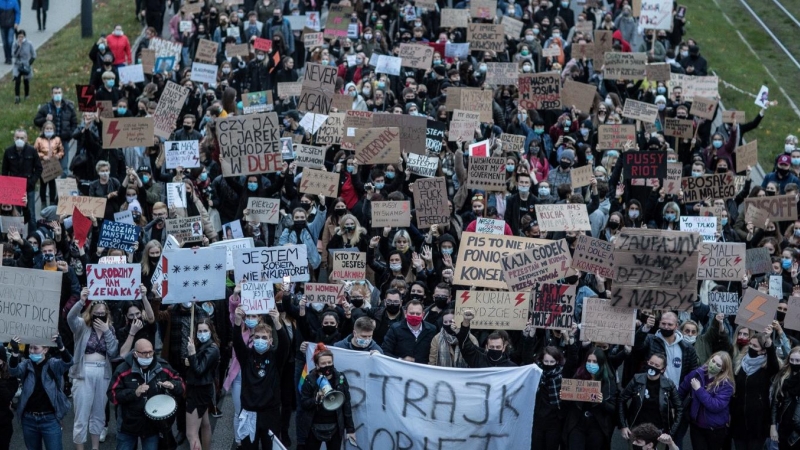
{"x":80,"y":226}
{"x":265,"y":45}
{"x":13,"y":192}
{"x":86,"y":98}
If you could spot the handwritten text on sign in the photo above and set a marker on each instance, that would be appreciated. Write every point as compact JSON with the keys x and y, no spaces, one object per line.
{"x":249,"y":144}
{"x":573,"y":390}
{"x":594,"y":256}
{"x":322,"y":293}
{"x":494,"y":310}
{"x":29,"y":305}
{"x":553,"y":306}
{"x":544,"y":262}
{"x":272,"y":264}
{"x":430,"y":201}
{"x":723,"y":261}
{"x":114,"y":281}
{"x":396,"y":213}
{"x":349,"y":265}
{"x":540,"y":91}
{"x":479,"y":256}
{"x":257,"y":297}
{"x":603,"y":322}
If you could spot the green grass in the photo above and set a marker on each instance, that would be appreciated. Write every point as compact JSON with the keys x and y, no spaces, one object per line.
{"x":728,"y":56}
{"x":64,"y":61}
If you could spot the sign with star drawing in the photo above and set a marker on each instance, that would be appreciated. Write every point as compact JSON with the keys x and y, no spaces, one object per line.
{"x":194,"y":275}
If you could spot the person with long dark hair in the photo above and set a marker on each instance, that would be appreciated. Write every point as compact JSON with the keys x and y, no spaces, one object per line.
{"x":589,"y":425}
{"x":548,"y":414}
{"x":204,"y":356}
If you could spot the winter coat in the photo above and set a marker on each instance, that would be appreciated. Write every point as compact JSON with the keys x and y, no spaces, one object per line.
{"x":203,"y":365}
{"x":707,"y":409}
{"x":400,"y":342}
{"x":23,"y":163}
{"x":750,"y":405}
{"x":669,"y":403}
{"x":308,"y":401}
{"x":289,"y":236}
{"x":66,"y":115}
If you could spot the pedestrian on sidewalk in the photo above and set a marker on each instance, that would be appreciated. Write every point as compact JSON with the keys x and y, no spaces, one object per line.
{"x":41,"y":7}
{"x":24,"y":55}
{"x":9,"y":22}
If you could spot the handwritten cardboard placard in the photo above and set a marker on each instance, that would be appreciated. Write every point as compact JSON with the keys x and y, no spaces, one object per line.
{"x":757,"y":310}
{"x":636,"y":110}
{"x":112,"y":282}
{"x":731,"y":116}
{"x":89,"y":206}
{"x":513,"y":26}
{"x":603,"y":43}
{"x":792,"y":320}
{"x":206,"y":51}
{"x":679,"y":128}
{"x":476,"y":264}
{"x":331,"y":132}
{"x":579,"y":95}
{"x":240,"y":50}
{"x":625,"y":66}
{"x":66,"y":186}
{"x":485,"y":225}
{"x":573,"y":390}
{"x":323,"y":293}
{"x":723,"y":261}
{"x":540,"y":91}
{"x":31,"y":302}
{"x":430,"y":202}
{"x":185,"y":229}
{"x":723,"y":302}
{"x":412,"y":130}
{"x":553,"y":306}
{"x":462,"y":129}
{"x":483,"y":9}
{"x":455,"y":18}
{"x":487,"y":173}
{"x":319,"y":182}
{"x":185,"y":154}
{"x":581,"y":176}
{"x":716,"y":186}
{"x":377,"y":145}
{"x":272,"y":263}
{"x":498,"y":310}
{"x":672,"y":184}
{"x":603,"y":322}
{"x":311,"y":40}
{"x":128,"y":132}
{"x":780,"y":207}
{"x":704,"y":107}
{"x":249,"y":144}
{"x":583,"y":50}
{"x":523,"y":270}
{"x":563,"y":217}
{"x":290,"y":89}
{"x":656,"y":15}
{"x":486,"y":36}
{"x":416,"y":56}
{"x":396,"y":213}
{"x":513,"y":142}
{"x":502,"y":74}
{"x":756,"y":216}
{"x":51,"y":169}
{"x":746,"y":155}
{"x":658,"y":72}
{"x":14,"y":190}
{"x":479,"y":100}
{"x":615,"y":136}
{"x":655,"y":269}
{"x":424,"y":166}
{"x":309,"y":156}
{"x":758,"y":260}
{"x":594,"y":256}
{"x":257,"y":297}
{"x":86,"y":97}
{"x":168,"y":109}
{"x":348,"y":266}
{"x":319,"y":84}
{"x":264,"y":210}
{"x":119,"y":235}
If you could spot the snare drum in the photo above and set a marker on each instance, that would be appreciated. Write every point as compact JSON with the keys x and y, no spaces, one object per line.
{"x":160,"y":407}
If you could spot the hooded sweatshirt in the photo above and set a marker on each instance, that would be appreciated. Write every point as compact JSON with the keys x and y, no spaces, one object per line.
{"x":674,"y":354}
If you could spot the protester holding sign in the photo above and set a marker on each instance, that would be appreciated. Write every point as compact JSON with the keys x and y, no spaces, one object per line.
{"x":588,"y":424}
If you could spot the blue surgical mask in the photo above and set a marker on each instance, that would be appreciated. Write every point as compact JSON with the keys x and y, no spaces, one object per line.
{"x":110,"y":83}
{"x":544,"y":191}
{"x":57,"y":97}
{"x":796,"y":161}
{"x":122,"y":111}
{"x":390,"y":175}
{"x":379,"y":186}
{"x":261,"y":345}
{"x":203,"y":336}
{"x":669,"y":217}
{"x":696,"y":173}
{"x":716,"y":144}
{"x":48,"y":134}
{"x":447,"y":251}
{"x":351,"y":169}
{"x":396,"y":267}
{"x":36,"y":357}
{"x":251,"y":323}
{"x":509,"y":167}
{"x":101,"y":47}
{"x":145,"y":179}
{"x":786,"y":263}
{"x":584,"y":132}
{"x":723,"y":221}
{"x":592,"y":368}
{"x":567,"y":123}
{"x":35,"y":248}
{"x":252,"y":187}
{"x":363,"y":342}
{"x":661,"y":90}
{"x":437,"y":62}
{"x":524,"y":189}
{"x":203,"y":176}
{"x":144,"y":362}
{"x":633,"y":213}
{"x":522,"y":117}
{"x":318,"y":306}
{"x":589,"y":158}
{"x":381,"y":85}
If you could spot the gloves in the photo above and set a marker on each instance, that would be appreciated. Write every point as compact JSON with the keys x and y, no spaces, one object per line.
{"x":59,"y":342}
{"x":14,"y":347}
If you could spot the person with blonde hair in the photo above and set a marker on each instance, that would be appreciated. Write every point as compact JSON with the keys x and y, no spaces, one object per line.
{"x":349,"y":234}
{"x":785,"y":393}
{"x":711,"y":387}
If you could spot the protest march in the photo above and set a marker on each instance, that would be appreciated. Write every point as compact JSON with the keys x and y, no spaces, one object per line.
{"x":491,"y":224}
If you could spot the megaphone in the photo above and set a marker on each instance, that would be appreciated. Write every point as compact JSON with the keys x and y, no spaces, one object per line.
{"x":331,"y":400}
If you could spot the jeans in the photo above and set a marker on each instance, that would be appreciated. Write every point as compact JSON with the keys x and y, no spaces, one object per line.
{"x":128,"y":442}
{"x":65,"y":159}
{"x":236,"y":396}
{"x":8,"y":41}
{"x":35,"y":428}
{"x":32,"y":206}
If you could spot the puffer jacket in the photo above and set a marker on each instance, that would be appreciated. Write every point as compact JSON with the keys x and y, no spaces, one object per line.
{"x":669,"y":404}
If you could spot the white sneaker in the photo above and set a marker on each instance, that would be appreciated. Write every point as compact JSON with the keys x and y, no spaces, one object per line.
{"x":103,"y":434}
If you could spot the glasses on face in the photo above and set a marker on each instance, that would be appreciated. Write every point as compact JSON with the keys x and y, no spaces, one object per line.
{"x":159,"y":215}
{"x":392,"y":303}
{"x":145,"y":354}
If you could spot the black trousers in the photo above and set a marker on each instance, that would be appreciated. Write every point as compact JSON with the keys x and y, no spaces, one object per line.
{"x":705,"y":439}
{"x":312,"y":443}
{"x":266,"y":421}
{"x":6,"y":430}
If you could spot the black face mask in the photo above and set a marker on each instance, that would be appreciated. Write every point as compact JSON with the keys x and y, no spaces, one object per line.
{"x":783,"y":172}
{"x":306,"y":206}
{"x":441,"y":302}
{"x":613,"y":225}
{"x":449,"y":330}
{"x":299,"y":224}
{"x":393,"y":309}
{"x":357,"y":303}
{"x":494,"y":355}
{"x":340,"y":212}
{"x":795,"y":368}
{"x":570,"y":239}
{"x":666,"y":333}
{"x":326,"y":371}
{"x":770,"y":193}
{"x":780,"y":315}
{"x":751,"y":352}
{"x":154,"y":259}
{"x":329,"y":329}
{"x":187,"y":128}
{"x":565,"y":165}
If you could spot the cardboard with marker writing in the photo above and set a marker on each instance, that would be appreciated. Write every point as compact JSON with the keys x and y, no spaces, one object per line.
{"x":746,"y":155}
{"x":757,"y":310}
{"x":524,"y":270}
{"x":430,"y":202}
{"x":377,"y":145}
{"x":573,"y":390}
{"x":563,"y":217}
{"x":594,"y":256}
{"x":722,"y":261}
{"x":391,"y":214}
{"x":476,"y":263}
{"x":553,"y":306}
{"x":601,"y":321}
{"x":319,"y":182}
{"x":758,"y":261}
{"x":579,"y":95}
{"x":704,"y":107}
{"x":643,"y":111}
{"x":493,"y":310}
{"x":780,"y":207}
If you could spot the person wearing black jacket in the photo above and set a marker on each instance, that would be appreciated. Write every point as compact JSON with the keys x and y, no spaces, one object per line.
{"x":8,"y":387}
{"x":495,"y":354}
{"x":203,"y":361}
{"x":750,"y":407}
{"x":22,"y":160}
{"x":261,"y":367}
{"x":62,"y":113}
{"x":650,"y":398}
{"x":410,"y":339}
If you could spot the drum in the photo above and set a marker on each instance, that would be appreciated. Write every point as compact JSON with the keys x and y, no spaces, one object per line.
{"x":160,"y":407}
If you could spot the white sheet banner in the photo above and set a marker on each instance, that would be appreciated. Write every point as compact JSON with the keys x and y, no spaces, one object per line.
{"x":398,"y":404}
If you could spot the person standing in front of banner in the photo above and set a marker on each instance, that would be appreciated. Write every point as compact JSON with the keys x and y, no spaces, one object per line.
{"x":261,"y":365}
{"x":326,"y":425}
{"x":95,"y":346}
{"x":8,"y":388}
{"x":548,"y":414}
{"x":204,"y":356}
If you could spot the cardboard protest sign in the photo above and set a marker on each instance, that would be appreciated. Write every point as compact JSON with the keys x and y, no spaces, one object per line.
{"x":758,"y":261}
{"x":86,"y":97}
{"x":551,"y":51}
{"x":594,"y":256}
{"x":636,"y":110}
{"x":479,"y":254}
{"x":311,"y":40}
{"x":319,"y":182}
{"x":416,"y":56}
{"x":656,"y":15}
{"x":513,"y":27}
{"x":338,"y":21}
{"x":615,"y":136}
{"x":723,"y":302}
{"x":693,"y":85}
{"x":583,"y":50}
{"x":563,"y":217}
{"x":377,"y":145}
{"x":184,"y":154}
{"x":544,"y":262}
{"x":704,"y":107}
{"x":672,"y":184}
{"x":105,"y":109}
{"x":579,"y":95}
{"x":113,"y":260}
{"x":486,"y":36}
{"x":290,"y":89}
{"x":483,"y":9}
{"x":513,"y":142}
{"x":540,"y":91}
{"x":148,"y":57}
{"x":118,"y":235}
{"x":195,"y":275}
{"x":603,"y":43}
{"x":746,"y":155}
{"x":322,"y":293}
{"x":730,"y":116}
{"x":51,"y":169}
{"x":348,"y":266}
{"x":655,"y":269}
{"x":31,"y":300}
{"x":272,"y":263}
{"x":494,"y":310}
{"x":9,"y":223}
{"x":721,"y":261}
{"x":412,"y":130}
{"x":424,"y":166}
{"x":331,"y":132}
{"x":434,"y":134}
{"x":573,"y":390}
{"x":462,"y":129}
{"x":309,"y":156}
{"x":240,"y":50}
{"x":249,"y":144}
{"x":430,"y":202}
{"x":479,"y":100}
{"x":502,"y":74}
{"x":206,"y":51}
{"x":757,"y":310}
{"x":169,"y":107}
{"x":756,"y":216}
{"x":679,"y":128}
{"x":89,"y":206}
{"x":792,"y":320}
{"x":257,"y":297}
{"x":14,"y":190}
{"x":487,"y":173}
{"x":131,"y":74}
{"x":128,"y":132}
{"x":601,"y":321}
{"x":704,"y":226}
{"x":176,"y":195}
{"x":185,"y":229}
{"x":716,"y":186}
{"x":319,"y":84}
{"x":553,"y":306}
{"x":485,"y":225}
{"x":625,"y":66}
{"x":455,"y":18}
{"x":264,"y":210}
{"x":581,"y":176}
{"x":391,"y":214}
{"x":658,"y":72}
{"x":111,"y":282}
{"x":780,"y":207}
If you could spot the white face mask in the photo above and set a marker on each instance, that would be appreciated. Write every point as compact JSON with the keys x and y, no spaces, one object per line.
{"x":104,"y":175}
{"x":260,"y":57}
{"x":788,"y":148}
{"x":19,"y":143}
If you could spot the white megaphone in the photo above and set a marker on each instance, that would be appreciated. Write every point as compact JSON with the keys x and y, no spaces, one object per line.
{"x":331,"y":400}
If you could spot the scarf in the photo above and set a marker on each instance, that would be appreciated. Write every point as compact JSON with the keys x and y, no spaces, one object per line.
{"x":447,"y":343}
{"x":751,"y":365}
{"x":550,"y":385}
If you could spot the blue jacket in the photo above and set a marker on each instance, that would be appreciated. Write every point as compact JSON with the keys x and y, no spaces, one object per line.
{"x":11,"y":4}
{"x":708,"y":409}
{"x":54,"y":365}
{"x":773,"y":177}
{"x":307,"y":236}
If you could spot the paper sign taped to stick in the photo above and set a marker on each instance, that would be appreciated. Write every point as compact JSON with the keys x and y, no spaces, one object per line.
{"x":391,"y":214}
{"x":721,"y":261}
{"x":272,"y":263}
{"x":525,"y":269}
{"x":31,"y":300}
{"x":479,"y":255}
{"x":485,"y":225}
{"x":563,"y":217}
{"x":757,"y":310}
{"x":430,"y":202}
{"x":553,"y":306}
{"x":257,"y":297}
{"x":195,"y":275}
{"x":494,"y":310}
{"x":185,"y":154}
{"x":594,"y":256}
{"x":573,"y":390}
{"x":348,"y":266}
{"x":110,"y":282}
{"x":264,"y":210}
{"x":603,"y":322}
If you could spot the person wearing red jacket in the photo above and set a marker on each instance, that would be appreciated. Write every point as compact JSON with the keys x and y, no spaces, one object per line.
{"x":120,"y":47}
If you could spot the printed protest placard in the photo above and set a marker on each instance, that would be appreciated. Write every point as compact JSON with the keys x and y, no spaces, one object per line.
{"x":703,"y":107}
{"x":131,"y":74}
{"x":636,"y":110}
{"x":730,"y":116}
{"x":89,"y":206}
{"x":169,"y":107}
{"x":391,"y":214}
{"x":31,"y":300}
{"x":111,"y":282}
{"x":86,"y":97}
{"x":502,"y":74}
{"x":264,"y":210}
{"x":424,"y":166}
{"x":579,"y":95}
{"x":672,"y":184}
{"x":625,"y":66}
{"x":563,"y":217}
{"x":487,"y":173}
{"x":779,"y":207}
{"x":553,"y":306}
{"x":757,"y":310}
{"x":416,"y":56}
{"x":746,"y":155}
{"x":655,"y":269}
{"x":119,"y":235}
{"x":478,"y":256}
{"x":377,"y":145}
{"x":486,"y":36}
{"x":430,"y":202}
{"x":206,"y":51}
{"x":679,"y":128}
{"x":319,"y":84}
{"x":499,"y":310}
{"x":485,"y":225}
{"x":128,"y":132}
{"x":455,"y":18}
{"x":540,"y":91}
{"x":323,"y":293}
{"x":603,"y":322}
{"x":272,"y":263}
{"x":594,"y":256}
{"x":581,"y":176}
{"x":348,"y":266}
{"x":758,"y":261}
{"x":523,"y":270}
{"x":705,"y":226}
{"x":615,"y":136}
{"x":573,"y":390}
{"x":309,"y":156}
{"x":14,"y":190}
{"x":319,"y":182}
{"x":249,"y":144}
{"x":185,"y":229}
{"x":159,"y":275}
{"x":194,"y":275}
{"x":723,"y":302}
{"x":185,"y":154}
{"x":722,"y":261}
{"x":257,"y":297}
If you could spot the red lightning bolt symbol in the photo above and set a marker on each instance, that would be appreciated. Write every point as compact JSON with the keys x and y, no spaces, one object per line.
{"x":520,"y":298}
{"x":753,"y":308}
{"x":112,"y":130}
{"x":136,"y":293}
{"x":86,"y":95}
{"x":737,"y":260}
{"x":304,"y":185}
{"x":703,"y":259}
{"x":133,"y":282}
{"x":91,"y":284}
{"x":464,"y":297}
